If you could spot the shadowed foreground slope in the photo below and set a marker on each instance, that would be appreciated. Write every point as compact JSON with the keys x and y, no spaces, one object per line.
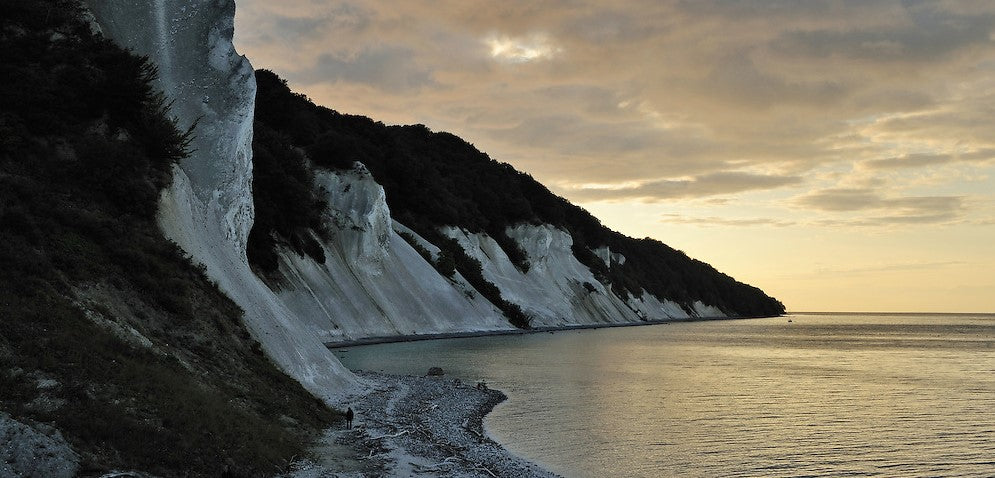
{"x":109,"y":333}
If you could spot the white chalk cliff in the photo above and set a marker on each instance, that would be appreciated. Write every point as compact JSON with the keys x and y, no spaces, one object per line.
{"x":372,"y":282}
{"x":558,"y":290}
{"x":208,"y":209}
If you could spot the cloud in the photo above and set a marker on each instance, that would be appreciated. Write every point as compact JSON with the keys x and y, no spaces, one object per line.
{"x":580,"y":134}
{"x":909,"y":161}
{"x":309,"y":26}
{"x":965,"y":123}
{"x":841,"y":200}
{"x":667,"y":100}
{"x":739,"y":80}
{"x":897,"y":210}
{"x":712,"y":184}
{"x":892,"y":98}
{"x":929,"y":34}
{"x":825,"y":116}
{"x":385,"y":68}
{"x":721,"y":221}
{"x":793,"y":11}
{"x":611,"y":26}
{"x":982,"y":155}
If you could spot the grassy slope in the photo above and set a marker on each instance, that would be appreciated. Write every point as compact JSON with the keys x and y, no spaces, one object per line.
{"x":108,"y":332}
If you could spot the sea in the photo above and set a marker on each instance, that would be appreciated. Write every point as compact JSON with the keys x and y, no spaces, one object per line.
{"x":799,"y":395}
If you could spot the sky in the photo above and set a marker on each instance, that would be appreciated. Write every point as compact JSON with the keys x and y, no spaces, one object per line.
{"x":840,"y":155}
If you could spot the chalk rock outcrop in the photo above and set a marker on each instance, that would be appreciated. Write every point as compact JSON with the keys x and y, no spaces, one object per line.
{"x":208,"y":209}
{"x":373,"y":283}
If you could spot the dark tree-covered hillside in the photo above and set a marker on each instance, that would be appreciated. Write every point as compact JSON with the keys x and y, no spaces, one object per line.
{"x":436,"y":179}
{"x":108,"y":333}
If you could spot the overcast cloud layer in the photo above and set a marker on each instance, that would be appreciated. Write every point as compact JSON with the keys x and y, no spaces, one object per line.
{"x":656,"y":100}
{"x":823,"y":113}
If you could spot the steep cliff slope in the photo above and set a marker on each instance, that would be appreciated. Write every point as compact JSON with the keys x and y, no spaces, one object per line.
{"x":556,"y":289}
{"x":371,"y":281}
{"x":334,"y":265}
{"x":208,"y":210}
{"x":533,"y":255}
{"x":116,"y":352}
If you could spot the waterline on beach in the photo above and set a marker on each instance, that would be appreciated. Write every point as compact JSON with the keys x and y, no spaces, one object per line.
{"x":408,"y":425}
{"x":822,"y":395}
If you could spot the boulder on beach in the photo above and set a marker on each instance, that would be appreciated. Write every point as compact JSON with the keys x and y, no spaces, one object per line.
{"x":435,"y":372}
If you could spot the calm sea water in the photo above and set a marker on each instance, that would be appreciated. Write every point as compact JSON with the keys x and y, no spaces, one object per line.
{"x":823,"y":395}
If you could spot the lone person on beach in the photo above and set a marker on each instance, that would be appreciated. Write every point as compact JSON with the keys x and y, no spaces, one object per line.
{"x":348,"y":417}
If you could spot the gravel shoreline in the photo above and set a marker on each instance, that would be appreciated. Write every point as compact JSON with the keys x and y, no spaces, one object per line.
{"x":417,"y":426}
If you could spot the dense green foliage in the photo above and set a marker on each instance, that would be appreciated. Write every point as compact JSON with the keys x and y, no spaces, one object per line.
{"x":287,"y":206}
{"x":435,"y":179}
{"x":146,"y":365}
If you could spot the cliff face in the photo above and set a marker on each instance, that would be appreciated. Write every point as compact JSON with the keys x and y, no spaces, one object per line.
{"x":365,"y":273}
{"x":557,"y":289}
{"x":372,"y":282}
{"x":208,"y":209}
{"x":534,"y":256}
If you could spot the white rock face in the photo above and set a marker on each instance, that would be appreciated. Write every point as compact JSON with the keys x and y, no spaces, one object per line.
{"x":707,"y":311}
{"x":608,"y":257}
{"x":373,"y":283}
{"x":649,"y":306}
{"x":605,"y":254}
{"x":558,"y":290}
{"x":208,"y":209}
{"x":190,"y":42}
{"x":433,"y":251}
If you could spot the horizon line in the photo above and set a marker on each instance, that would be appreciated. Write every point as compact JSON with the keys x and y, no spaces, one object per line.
{"x":791,"y":312}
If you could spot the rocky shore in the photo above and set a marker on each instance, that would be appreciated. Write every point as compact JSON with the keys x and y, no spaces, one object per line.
{"x":416,"y":426}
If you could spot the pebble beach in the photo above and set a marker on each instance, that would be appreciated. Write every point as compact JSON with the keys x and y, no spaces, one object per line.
{"x":416,"y":426}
